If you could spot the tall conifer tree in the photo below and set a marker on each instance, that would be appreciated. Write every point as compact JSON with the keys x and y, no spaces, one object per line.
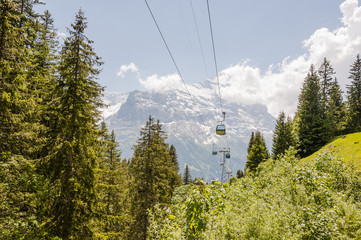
{"x":250,"y":143}
{"x":20,"y":184}
{"x":74,"y":135}
{"x":152,"y":170}
{"x":176,"y":179}
{"x":336,"y":109}
{"x":310,"y":113}
{"x":187,"y":179}
{"x":13,"y":64}
{"x":354,"y":97}
{"x":282,"y":136}
{"x":112,"y":206}
{"x":326,"y":73}
{"x":257,"y":153}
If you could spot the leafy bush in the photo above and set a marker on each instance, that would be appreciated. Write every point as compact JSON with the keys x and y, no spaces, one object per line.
{"x":281,"y":200}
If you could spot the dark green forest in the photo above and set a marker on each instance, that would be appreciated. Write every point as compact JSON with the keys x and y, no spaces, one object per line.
{"x":61,"y":171}
{"x":62,"y":175}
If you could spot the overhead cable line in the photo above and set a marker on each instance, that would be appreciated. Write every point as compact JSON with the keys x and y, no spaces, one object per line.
{"x":202,"y":52}
{"x":199,"y":39}
{"x":216,"y":67}
{"x":214,"y":55}
{"x":174,"y":62}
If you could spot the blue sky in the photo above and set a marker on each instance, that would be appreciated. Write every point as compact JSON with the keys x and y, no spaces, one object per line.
{"x":259,"y":44}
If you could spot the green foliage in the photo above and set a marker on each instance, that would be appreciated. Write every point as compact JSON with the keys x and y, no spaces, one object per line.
{"x":331,"y":100}
{"x":336,"y":109}
{"x":282,"y":136}
{"x":354,"y":97}
{"x":49,"y":139}
{"x":250,"y":143}
{"x":74,"y":136}
{"x":153,"y":172}
{"x":23,"y":188}
{"x":187,"y":179}
{"x":112,"y":216}
{"x":21,"y":192}
{"x":346,"y":147}
{"x":173,"y":153}
{"x":194,"y":211}
{"x":240,"y":173}
{"x":312,"y":127}
{"x":282,"y":200}
{"x":176,"y":179}
{"x":257,"y":153}
{"x":325,"y":73}
{"x":13,"y":64}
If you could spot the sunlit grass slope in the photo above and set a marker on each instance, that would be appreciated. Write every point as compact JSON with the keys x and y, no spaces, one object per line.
{"x":347,"y":147}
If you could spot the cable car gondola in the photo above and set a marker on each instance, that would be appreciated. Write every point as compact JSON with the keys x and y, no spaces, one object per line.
{"x":221,"y":128}
{"x":228,"y":155}
{"x":214,"y":151}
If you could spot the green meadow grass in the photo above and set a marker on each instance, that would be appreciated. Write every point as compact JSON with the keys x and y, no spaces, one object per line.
{"x":347,"y":147}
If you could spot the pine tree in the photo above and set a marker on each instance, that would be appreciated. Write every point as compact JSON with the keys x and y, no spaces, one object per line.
{"x":240,"y":173}
{"x":176,"y":179}
{"x":20,"y":183}
{"x":152,"y":169}
{"x":42,"y":80}
{"x":310,"y":114}
{"x":258,"y":153}
{"x":74,"y":135}
{"x":250,"y":143}
{"x":46,"y":57}
{"x":112,"y":190}
{"x":326,"y":73}
{"x":21,"y":190}
{"x":173,"y":153}
{"x":354,"y":97}
{"x":336,"y":109}
{"x":13,"y":64}
{"x":187,"y":179}
{"x":282,"y":136}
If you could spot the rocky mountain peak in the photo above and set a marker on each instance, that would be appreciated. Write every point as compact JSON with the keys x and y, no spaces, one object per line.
{"x":190,"y":125}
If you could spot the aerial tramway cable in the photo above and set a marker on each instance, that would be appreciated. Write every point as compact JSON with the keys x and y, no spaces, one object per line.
{"x":214,"y":56}
{"x":199,"y":39}
{"x":220,"y":129}
{"x":174,"y":62}
{"x":226,"y":153}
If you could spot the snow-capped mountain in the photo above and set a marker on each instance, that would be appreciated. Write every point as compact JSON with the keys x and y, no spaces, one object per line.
{"x":190,"y":123}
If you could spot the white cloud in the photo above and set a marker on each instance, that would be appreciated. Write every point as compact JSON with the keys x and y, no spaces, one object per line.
{"x":162,"y":83}
{"x":279,"y":89}
{"x":126,"y":68}
{"x":154,"y":83}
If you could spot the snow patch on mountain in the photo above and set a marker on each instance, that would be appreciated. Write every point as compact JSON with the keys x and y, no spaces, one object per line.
{"x":113,"y":101}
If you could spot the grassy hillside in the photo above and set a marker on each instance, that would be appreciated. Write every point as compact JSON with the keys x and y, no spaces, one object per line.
{"x":347,"y":147}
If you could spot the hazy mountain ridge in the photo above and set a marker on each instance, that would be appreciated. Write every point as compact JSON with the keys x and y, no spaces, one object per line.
{"x":190,"y":126}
